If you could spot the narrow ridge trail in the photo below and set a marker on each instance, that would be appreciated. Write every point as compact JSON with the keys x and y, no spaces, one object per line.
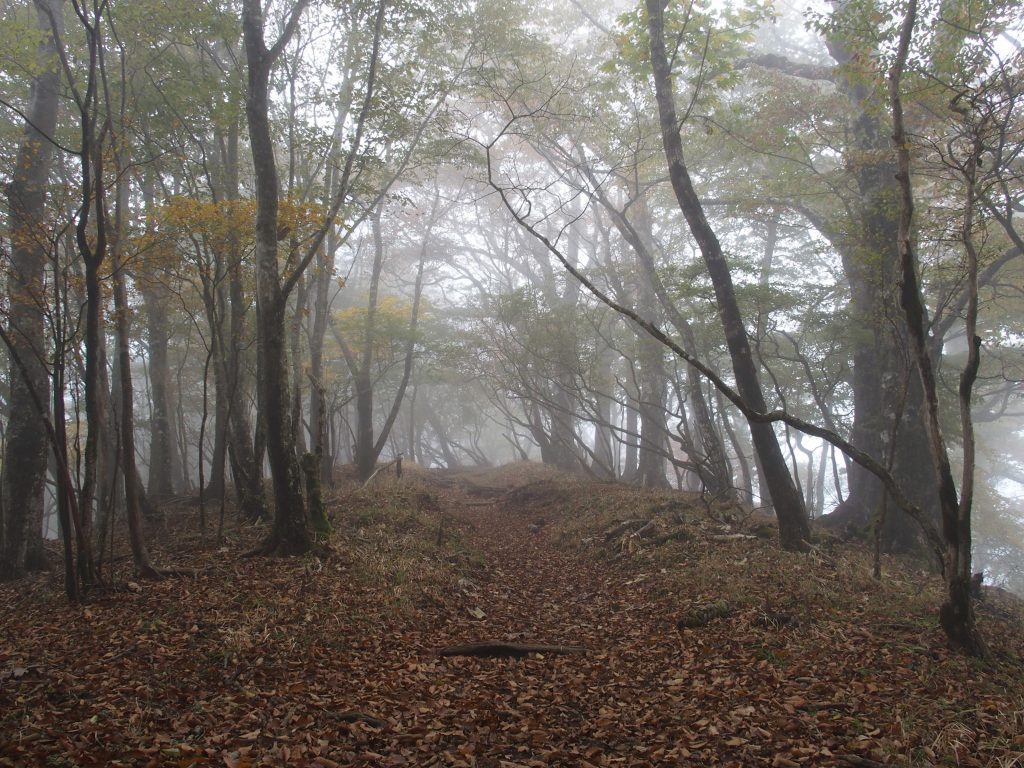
{"x":277,"y":662}
{"x":645,"y":693}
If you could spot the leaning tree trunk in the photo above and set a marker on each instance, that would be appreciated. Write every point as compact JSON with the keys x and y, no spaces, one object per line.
{"x":794,"y":528}
{"x":957,"y":612}
{"x":25,"y":455}
{"x":290,"y":534}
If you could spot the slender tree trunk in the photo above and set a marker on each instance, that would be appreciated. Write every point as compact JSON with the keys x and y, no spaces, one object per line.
{"x":651,"y":406}
{"x":794,"y":529}
{"x":164,"y":460}
{"x":132,"y":486}
{"x":957,"y":612}
{"x":366,"y":457}
{"x":245,"y":468}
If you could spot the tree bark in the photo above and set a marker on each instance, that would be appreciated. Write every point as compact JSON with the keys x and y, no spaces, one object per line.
{"x":246,"y":469}
{"x":164,"y":460}
{"x":25,"y":458}
{"x":290,"y":534}
{"x":866,"y":243}
{"x":794,"y":529}
{"x":129,"y":471}
{"x":957,"y":612}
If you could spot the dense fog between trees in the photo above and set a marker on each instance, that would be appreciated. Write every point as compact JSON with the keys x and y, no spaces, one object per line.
{"x":248,"y":244}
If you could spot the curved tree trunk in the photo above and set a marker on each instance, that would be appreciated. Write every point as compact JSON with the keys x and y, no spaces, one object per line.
{"x":794,"y":528}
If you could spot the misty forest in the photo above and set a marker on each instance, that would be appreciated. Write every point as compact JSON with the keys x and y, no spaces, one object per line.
{"x":511,"y":382}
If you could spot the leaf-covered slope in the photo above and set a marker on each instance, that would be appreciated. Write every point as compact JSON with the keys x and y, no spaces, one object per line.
{"x":333,"y":660}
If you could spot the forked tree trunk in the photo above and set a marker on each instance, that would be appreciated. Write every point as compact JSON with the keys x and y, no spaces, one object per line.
{"x":290,"y":534}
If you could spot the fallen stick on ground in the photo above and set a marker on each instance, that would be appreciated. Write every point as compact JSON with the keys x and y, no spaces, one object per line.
{"x":498,"y":649}
{"x":358,"y":717}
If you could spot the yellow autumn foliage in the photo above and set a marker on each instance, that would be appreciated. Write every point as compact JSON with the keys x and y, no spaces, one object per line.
{"x":226,"y":224}
{"x":391,"y":324}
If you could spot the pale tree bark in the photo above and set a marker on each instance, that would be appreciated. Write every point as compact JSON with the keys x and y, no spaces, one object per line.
{"x":290,"y":534}
{"x":164,"y":460}
{"x":866,"y":242}
{"x":25,"y":452}
{"x":246,"y":466}
{"x":794,"y":528}
{"x":713,"y":466}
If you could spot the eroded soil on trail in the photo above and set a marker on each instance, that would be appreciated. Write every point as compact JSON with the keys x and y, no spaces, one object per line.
{"x":333,"y":660}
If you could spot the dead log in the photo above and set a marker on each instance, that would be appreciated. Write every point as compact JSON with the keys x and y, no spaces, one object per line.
{"x":646,"y":531}
{"x":497,"y":649}
{"x":680,"y":534}
{"x":627,"y":526}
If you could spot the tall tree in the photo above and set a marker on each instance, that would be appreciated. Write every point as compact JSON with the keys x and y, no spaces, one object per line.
{"x":25,"y":454}
{"x":290,"y":534}
{"x":794,"y":529}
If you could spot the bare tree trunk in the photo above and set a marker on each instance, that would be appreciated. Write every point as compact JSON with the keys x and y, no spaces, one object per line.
{"x":957,"y":612}
{"x":366,"y":456}
{"x":245,"y":468}
{"x":25,"y":450}
{"x":132,"y":487}
{"x":164,"y":459}
{"x":290,"y":534}
{"x":794,"y":529}
{"x":868,"y":252}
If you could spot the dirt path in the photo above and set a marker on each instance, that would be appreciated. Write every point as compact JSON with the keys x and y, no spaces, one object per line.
{"x":645,"y":693}
{"x":262,"y":662}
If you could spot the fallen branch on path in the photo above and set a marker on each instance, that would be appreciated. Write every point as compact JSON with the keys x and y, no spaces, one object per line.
{"x":731,"y":537}
{"x":499,"y":649}
{"x":863,"y":762}
{"x":625,"y":527}
{"x":396,"y":463}
{"x":357,"y":717}
{"x":680,"y":534}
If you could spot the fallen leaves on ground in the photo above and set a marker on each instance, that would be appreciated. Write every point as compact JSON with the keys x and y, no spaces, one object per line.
{"x":333,"y":661}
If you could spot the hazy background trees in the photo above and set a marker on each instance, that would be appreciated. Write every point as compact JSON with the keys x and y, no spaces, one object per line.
{"x":413,"y":314}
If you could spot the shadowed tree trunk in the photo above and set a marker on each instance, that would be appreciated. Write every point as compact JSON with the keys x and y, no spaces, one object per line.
{"x":957,"y":612}
{"x":164,"y":461}
{"x":133,"y":492}
{"x":290,"y":534}
{"x":25,"y":451}
{"x":794,"y":528}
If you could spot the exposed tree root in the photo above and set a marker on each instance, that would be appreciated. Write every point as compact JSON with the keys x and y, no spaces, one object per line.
{"x":358,"y":717}
{"x":499,"y":649}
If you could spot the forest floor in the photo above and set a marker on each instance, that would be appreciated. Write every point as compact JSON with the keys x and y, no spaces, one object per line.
{"x":705,"y":644}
